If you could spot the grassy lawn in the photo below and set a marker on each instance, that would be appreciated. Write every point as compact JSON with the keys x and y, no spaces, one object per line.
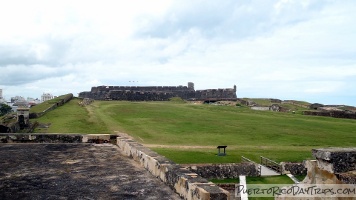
{"x":47,"y":104}
{"x":71,"y":118}
{"x":283,"y":179}
{"x":188,"y":133}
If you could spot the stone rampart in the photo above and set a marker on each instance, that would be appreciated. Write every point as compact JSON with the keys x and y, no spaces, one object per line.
{"x":155,"y":93}
{"x":222,"y":171}
{"x":187,"y":184}
{"x":336,"y":114}
{"x":129,"y":95}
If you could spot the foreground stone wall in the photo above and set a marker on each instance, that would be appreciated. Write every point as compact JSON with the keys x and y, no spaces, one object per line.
{"x":54,"y":138}
{"x":187,"y":184}
{"x":222,"y":171}
{"x":332,"y":166}
{"x":293,"y":168}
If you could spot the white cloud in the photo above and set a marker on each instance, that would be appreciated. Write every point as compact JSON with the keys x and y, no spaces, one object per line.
{"x":275,"y":48}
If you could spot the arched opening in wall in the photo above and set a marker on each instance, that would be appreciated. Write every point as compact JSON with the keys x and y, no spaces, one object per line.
{"x":22,"y":122}
{"x":4,"y":129}
{"x":209,"y":101}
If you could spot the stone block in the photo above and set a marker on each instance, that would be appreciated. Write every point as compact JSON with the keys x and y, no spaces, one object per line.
{"x":336,"y":160}
{"x":93,"y":137}
{"x":293,"y":168}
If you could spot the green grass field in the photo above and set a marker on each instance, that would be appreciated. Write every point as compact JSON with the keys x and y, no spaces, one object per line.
{"x":283,"y":179}
{"x":47,"y":104}
{"x":189,"y":133}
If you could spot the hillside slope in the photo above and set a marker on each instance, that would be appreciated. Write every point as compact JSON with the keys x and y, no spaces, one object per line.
{"x":187,"y":132}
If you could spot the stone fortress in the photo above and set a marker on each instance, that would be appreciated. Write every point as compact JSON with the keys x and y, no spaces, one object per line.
{"x":157,"y":93}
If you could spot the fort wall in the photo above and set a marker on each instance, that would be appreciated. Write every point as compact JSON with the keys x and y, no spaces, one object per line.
{"x":155,"y":93}
{"x":333,"y":113}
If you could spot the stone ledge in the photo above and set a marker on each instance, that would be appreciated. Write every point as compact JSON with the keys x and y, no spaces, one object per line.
{"x":336,"y":160}
{"x":54,"y":138}
{"x":226,"y":170}
{"x":187,"y":184}
{"x":293,"y":168}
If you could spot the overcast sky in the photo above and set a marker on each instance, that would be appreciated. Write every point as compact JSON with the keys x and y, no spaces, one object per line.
{"x":286,"y":49}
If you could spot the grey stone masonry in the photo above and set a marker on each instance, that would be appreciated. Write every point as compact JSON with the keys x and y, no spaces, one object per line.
{"x":186,"y":183}
{"x":156,"y":93}
{"x":221,"y":171}
{"x":336,"y":160}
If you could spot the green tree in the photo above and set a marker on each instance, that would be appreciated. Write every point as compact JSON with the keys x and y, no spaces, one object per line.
{"x":4,"y":109}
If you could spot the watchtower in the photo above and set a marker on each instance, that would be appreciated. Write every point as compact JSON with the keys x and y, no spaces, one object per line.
{"x":23,"y":116}
{"x":190,"y":85}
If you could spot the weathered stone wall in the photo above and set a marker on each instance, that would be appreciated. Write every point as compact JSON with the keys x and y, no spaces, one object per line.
{"x":138,"y":96}
{"x":332,"y":166}
{"x":187,"y":184}
{"x":215,"y":93}
{"x":336,"y":160}
{"x":293,"y":168}
{"x":40,"y":138}
{"x":155,"y":93}
{"x":336,"y":114}
{"x":222,"y":171}
{"x":53,"y":138}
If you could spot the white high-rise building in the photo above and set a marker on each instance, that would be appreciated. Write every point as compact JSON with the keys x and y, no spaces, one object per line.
{"x":46,"y":97}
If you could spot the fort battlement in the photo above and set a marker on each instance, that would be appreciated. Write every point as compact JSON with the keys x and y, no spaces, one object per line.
{"x":156,"y":93}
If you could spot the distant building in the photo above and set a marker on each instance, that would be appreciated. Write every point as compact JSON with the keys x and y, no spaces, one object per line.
{"x":2,"y":100}
{"x":46,"y":97}
{"x":17,"y":98}
{"x":32,"y":101}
